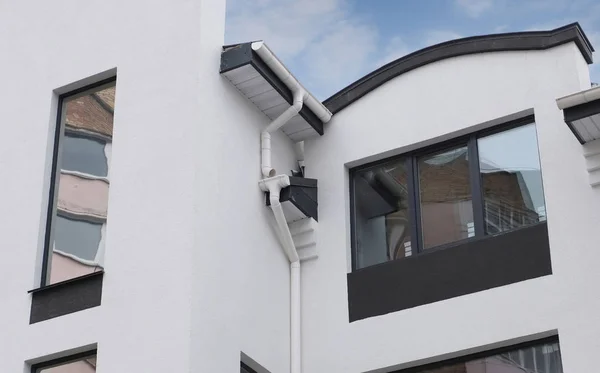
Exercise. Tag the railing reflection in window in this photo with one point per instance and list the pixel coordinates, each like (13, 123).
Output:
(511, 177)
(78, 223)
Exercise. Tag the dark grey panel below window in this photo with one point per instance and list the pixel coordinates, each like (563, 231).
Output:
(468, 267)
(66, 297)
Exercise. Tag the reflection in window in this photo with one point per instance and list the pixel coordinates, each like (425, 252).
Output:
(382, 218)
(446, 201)
(544, 358)
(78, 239)
(428, 194)
(511, 179)
(83, 365)
(84, 155)
(82, 173)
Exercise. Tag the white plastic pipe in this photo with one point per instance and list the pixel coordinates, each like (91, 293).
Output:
(265, 137)
(295, 320)
(299, 150)
(274, 185)
(289, 80)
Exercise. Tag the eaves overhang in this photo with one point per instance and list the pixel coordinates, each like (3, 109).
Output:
(581, 111)
(514, 41)
(245, 69)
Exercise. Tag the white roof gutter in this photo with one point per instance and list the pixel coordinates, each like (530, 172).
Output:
(290, 81)
(578, 98)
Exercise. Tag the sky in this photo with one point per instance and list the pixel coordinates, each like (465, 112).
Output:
(328, 44)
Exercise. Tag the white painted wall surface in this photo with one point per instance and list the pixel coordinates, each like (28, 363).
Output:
(434, 101)
(194, 274)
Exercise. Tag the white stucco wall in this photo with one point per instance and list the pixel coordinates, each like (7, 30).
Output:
(441, 100)
(194, 274)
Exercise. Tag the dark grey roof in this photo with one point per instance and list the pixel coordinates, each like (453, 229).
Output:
(514, 41)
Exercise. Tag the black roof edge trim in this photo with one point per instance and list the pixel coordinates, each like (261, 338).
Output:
(514, 41)
(238, 55)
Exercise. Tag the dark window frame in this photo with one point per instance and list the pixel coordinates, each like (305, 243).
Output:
(246, 367)
(35, 368)
(480, 355)
(411, 159)
(53, 191)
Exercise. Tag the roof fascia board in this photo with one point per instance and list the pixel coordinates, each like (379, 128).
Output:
(516, 41)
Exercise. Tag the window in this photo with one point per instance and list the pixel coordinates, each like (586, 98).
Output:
(540, 357)
(77, 213)
(511, 179)
(484, 184)
(82, 363)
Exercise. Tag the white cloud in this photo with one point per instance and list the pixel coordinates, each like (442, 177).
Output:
(323, 42)
(395, 49)
(340, 57)
(439, 36)
(474, 8)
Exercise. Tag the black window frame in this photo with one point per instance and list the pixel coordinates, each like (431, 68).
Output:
(36, 368)
(480, 355)
(411, 158)
(53, 191)
(244, 366)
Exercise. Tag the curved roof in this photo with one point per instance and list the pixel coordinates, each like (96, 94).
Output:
(514, 41)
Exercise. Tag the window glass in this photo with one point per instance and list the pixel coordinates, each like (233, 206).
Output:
(77, 238)
(81, 200)
(84, 365)
(511, 179)
(83, 155)
(446, 201)
(382, 220)
(517, 361)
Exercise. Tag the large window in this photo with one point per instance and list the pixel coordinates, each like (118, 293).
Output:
(542, 357)
(78, 207)
(81, 363)
(484, 184)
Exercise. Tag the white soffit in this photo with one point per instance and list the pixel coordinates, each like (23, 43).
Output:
(582, 113)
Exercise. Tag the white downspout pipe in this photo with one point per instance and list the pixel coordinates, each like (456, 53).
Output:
(295, 319)
(265, 136)
(274, 185)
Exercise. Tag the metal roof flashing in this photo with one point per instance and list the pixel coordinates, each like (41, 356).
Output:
(514, 41)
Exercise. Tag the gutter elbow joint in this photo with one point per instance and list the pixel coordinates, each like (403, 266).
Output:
(299, 97)
(268, 171)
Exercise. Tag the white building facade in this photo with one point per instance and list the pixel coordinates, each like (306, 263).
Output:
(176, 205)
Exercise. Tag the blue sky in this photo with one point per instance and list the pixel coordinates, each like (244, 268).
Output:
(328, 44)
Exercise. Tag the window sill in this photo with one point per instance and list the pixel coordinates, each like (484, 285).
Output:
(65, 297)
